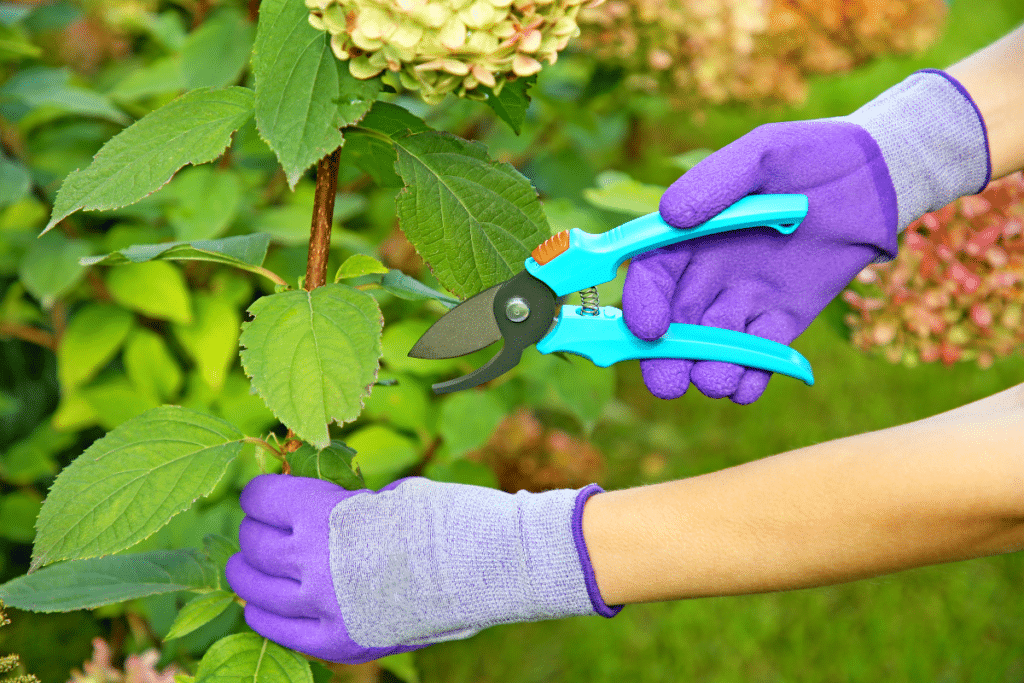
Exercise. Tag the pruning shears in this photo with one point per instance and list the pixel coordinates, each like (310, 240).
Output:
(529, 308)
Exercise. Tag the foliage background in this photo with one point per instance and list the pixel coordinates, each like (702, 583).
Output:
(955, 622)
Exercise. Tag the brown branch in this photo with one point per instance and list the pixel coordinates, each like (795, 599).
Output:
(323, 217)
(29, 334)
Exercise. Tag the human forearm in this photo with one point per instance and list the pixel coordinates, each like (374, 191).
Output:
(946, 488)
(994, 77)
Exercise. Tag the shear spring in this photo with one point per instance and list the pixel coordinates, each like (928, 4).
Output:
(591, 301)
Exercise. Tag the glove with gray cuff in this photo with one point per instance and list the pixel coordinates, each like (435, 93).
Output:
(352, 576)
(913, 149)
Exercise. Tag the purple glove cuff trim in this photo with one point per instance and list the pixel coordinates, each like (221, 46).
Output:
(581, 547)
(984, 131)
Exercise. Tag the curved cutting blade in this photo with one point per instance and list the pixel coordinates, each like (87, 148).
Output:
(468, 327)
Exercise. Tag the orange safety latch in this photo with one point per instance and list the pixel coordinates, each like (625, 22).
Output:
(551, 247)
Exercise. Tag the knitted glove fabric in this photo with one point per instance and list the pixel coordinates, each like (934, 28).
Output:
(352, 576)
(913, 149)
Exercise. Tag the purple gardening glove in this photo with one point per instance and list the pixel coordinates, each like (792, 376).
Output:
(352, 576)
(866, 177)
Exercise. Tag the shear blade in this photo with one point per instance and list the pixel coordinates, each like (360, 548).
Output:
(468, 327)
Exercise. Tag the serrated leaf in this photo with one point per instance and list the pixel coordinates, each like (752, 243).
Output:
(617, 191)
(92, 338)
(42, 86)
(313, 356)
(131, 482)
(512, 102)
(51, 267)
(358, 265)
(192, 129)
(333, 463)
(156, 289)
(215, 54)
(303, 94)
(219, 549)
(212, 337)
(241, 251)
(85, 584)
(473, 220)
(375, 154)
(248, 657)
(199, 611)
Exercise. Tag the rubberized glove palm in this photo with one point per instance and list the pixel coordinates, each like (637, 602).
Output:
(913, 149)
(759, 281)
(352, 576)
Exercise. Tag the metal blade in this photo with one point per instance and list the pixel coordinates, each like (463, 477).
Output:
(468, 327)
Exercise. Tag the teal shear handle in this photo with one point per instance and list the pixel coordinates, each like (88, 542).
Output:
(605, 340)
(584, 260)
(593, 259)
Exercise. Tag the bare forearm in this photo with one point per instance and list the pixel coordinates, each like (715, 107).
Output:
(950, 487)
(994, 77)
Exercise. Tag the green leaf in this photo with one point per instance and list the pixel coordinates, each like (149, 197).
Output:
(303, 94)
(250, 658)
(15, 181)
(512, 102)
(150, 366)
(42, 86)
(473, 220)
(192, 129)
(405, 287)
(34, 456)
(199, 611)
(156, 289)
(129, 483)
(113, 400)
(381, 454)
(368, 145)
(215, 54)
(313, 356)
(51, 267)
(91, 339)
(358, 265)
(688, 160)
(468, 419)
(616, 191)
(212, 338)
(241, 251)
(158, 77)
(333, 463)
(219, 549)
(85, 584)
(205, 202)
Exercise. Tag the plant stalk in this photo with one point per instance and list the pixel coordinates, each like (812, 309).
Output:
(323, 217)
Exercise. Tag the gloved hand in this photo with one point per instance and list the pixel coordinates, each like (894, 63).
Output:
(913, 149)
(352, 576)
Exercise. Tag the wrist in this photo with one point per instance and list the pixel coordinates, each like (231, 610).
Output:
(933, 139)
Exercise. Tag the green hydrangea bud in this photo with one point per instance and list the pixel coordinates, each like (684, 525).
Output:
(435, 47)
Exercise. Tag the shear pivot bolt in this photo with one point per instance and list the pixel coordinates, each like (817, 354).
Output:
(516, 309)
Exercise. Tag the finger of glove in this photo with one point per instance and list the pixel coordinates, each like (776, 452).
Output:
(272, 498)
(716, 182)
(778, 326)
(666, 378)
(301, 634)
(729, 311)
(647, 292)
(269, 549)
(276, 594)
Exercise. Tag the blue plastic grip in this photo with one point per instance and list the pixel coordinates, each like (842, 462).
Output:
(605, 340)
(593, 259)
